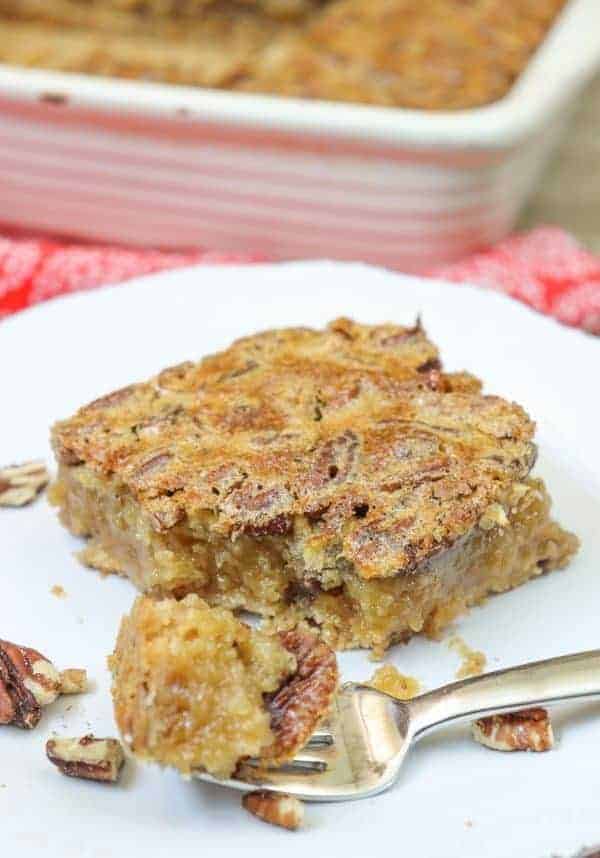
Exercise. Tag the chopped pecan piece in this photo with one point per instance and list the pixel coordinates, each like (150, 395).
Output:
(87, 757)
(21, 484)
(28, 681)
(73, 681)
(528, 730)
(277, 808)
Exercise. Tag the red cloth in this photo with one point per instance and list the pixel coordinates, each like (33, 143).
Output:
(546, 269)
(35, 269)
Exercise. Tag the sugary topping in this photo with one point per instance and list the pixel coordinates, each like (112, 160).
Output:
(352, 440)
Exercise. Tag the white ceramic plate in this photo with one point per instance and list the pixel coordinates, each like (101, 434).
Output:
(454, 798)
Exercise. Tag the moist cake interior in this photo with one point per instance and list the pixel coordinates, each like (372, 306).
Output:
(260, 575)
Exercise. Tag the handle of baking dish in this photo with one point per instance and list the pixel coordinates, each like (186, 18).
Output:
(541, 683)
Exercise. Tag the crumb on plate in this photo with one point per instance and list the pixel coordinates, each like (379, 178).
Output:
(58, 591)
(389, 680)
(473, 662)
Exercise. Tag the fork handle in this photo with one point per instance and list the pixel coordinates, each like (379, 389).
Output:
(556, 680)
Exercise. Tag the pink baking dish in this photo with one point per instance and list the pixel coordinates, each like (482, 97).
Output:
(152, 164)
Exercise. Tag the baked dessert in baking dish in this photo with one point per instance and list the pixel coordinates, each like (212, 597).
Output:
(195, 688)
(426, 54)
(337, 477)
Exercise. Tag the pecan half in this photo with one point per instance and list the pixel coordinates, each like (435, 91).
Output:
(528, 730)
(21, 484)
(87, 757)
(276, 808)
(28, 681)
(305, 698)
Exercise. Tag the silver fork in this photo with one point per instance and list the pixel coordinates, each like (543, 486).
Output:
(360, 751)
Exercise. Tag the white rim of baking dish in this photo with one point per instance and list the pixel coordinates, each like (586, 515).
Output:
(564, 62)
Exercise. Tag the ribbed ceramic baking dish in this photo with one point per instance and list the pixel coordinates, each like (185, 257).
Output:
(154, 164)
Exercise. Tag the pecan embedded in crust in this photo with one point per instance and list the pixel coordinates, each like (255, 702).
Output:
(527, 730)
(116, 397)
(28, 681)
(333, 461)
(278, 526)
(87, 757)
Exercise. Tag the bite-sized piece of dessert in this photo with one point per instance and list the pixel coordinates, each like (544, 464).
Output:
(336, 476)
(196, 688)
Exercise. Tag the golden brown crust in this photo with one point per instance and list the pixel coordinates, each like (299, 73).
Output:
(345, 438)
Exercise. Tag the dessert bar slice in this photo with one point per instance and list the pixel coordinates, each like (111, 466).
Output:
(196, 688)
(335, 476)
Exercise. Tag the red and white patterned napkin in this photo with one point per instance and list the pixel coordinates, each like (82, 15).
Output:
(546, 269)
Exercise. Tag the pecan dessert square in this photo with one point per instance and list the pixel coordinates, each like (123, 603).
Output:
(339, 477)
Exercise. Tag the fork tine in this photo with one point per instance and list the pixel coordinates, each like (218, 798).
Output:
(309, 765)
(320, 738)
(361, 755)
(299, 766)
